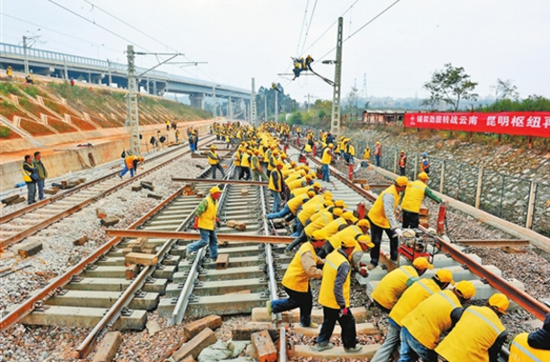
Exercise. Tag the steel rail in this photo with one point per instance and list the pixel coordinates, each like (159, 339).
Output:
(223, 182)
(520, 297)
(183, 235)
(69, 192)
(493, 243)
(183, 299)
(116, 309)
(28, 306)
(272, 282)
(33, 229)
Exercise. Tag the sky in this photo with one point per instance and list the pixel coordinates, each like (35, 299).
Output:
(240, 39)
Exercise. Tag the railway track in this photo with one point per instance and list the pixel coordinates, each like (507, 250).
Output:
(25, 222)
(183, 285)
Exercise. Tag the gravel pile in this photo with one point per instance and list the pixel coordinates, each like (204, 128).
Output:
(59, 254)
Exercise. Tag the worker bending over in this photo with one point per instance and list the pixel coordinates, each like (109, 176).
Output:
(301, 269)
(419, 291)
(478, 335)
(334, 296)
(423, 327)
(532, 347)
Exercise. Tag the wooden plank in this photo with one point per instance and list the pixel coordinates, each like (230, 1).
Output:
(29, 249)
(108, 347)
(222, 261)
(195, 346)
(140, 259)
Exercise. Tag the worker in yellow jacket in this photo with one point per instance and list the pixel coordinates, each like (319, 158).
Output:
(301, 269)
(393, 284)
(423, 327)
(532, 347)
(276, 186)
(214, 162)
(479, 334)
(382, 219)
(206, 220)
(412, 200)
(419, 291)
(334, 296)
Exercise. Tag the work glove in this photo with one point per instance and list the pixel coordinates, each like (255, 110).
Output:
(196, 223)
(344, 311)
(364, 272)
(218, 222)
(399, 233)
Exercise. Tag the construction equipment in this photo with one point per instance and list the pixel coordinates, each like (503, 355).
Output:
(417, 243)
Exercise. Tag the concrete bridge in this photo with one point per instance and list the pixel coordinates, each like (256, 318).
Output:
(98, 71)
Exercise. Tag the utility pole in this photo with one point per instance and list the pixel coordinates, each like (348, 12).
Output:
(132, 110)
(253, 104)
(308, 95)
(26, 59)
(265, 106)
(276, 107)
(214, 104)
(230, 109)
(335, 124)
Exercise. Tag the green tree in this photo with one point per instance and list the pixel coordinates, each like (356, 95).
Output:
(504, 89)
(451, 85)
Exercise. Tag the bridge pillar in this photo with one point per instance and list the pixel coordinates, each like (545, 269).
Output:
(197, 100)
(96, 78)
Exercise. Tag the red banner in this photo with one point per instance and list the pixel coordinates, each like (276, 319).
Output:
(515, 123)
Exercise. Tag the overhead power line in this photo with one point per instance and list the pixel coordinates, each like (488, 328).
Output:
(308, 26)
(96, 24)
(362, 27)
(331, 25)
(302, 30)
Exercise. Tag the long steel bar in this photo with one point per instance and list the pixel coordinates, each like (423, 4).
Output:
(521, 298)
(33, 229)
(223, 182)
(182, 235)
(493, 243)
(27, 306)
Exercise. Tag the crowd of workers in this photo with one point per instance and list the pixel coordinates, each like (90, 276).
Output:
(428, 317)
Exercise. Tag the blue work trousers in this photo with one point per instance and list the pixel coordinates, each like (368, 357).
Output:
(276, 202)
(208, 237)
(325, 173)
(126, 170)
(411, 349)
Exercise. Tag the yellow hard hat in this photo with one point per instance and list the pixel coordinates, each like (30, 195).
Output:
(499, 302)
(311, 194)
(337, 211)
(402, 181)
(292, 163)
(318, 235)
(340, 203)
(363, 222)
(423, 176)
(212, 147)
(317, 185)
(308, 177)
(279, 163)
(377, 142)
(365, 239)
(466, 289)
(348, 215)
(214, 190)
(330, 145)
(444, 276)
(348, 242)
(422, 263)
(306, 168)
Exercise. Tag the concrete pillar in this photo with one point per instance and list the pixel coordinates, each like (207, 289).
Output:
(155, 87)
(197, 100)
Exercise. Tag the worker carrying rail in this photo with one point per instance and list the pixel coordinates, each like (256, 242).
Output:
(412, 200)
